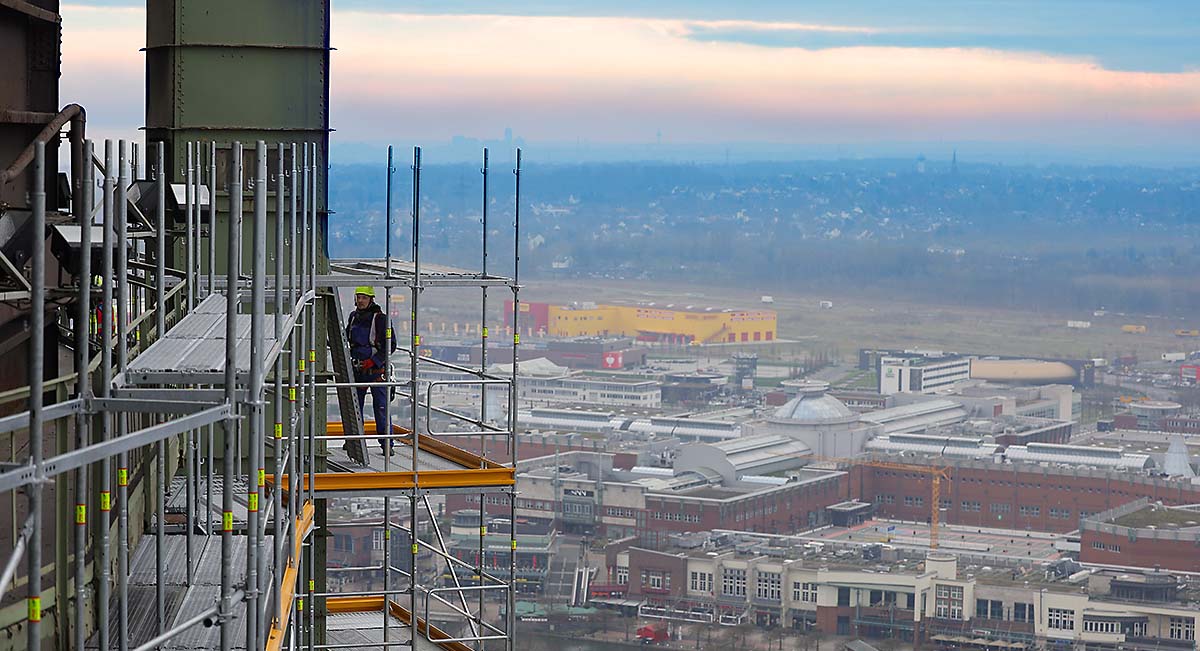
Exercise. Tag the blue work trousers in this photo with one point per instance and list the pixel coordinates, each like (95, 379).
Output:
(379, 403)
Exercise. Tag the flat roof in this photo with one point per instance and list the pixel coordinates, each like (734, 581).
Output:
(1159, 516)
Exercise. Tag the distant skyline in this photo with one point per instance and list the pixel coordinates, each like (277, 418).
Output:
(1005, 80)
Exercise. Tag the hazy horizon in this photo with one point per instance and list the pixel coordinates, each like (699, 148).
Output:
(1004, 82)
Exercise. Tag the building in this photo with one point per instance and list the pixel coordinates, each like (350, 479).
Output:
(692, 388)
(684, 429)
(650, 322)
(707, 486)
(931, 444)
(1160, 415)
(997, 368)
(1143, 534)
(536, 543)
(986, 399)
(933, 601)
(587, 353)
(921, 372)
(1080, 455)
(818, 420)
(543, 382)
(1052, 497)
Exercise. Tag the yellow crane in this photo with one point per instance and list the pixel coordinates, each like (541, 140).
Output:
(936, 474)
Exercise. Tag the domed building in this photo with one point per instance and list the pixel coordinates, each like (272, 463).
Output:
(823, 423)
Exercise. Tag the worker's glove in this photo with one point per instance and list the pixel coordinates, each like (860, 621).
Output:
(366, 364)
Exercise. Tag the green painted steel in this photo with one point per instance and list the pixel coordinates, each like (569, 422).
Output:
(232, 70)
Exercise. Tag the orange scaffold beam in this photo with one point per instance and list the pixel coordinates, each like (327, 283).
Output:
(475, 472)
(375, 604)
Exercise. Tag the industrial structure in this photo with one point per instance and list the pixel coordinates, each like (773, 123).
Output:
(651, 322)
(174, 310)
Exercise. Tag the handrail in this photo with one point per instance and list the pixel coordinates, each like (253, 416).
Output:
(22, 393)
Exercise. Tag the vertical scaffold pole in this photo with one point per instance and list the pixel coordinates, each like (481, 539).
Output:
(212, 215)
(277, 399)
(83, 346)
(294, 357)
(231, 304)
(255, 470)
(512, 412)
(104, 522)
(483, 392)
(302, 417)
(309, 402)
(189, 193)
(160, 322)
(122, 309)
(312, 375)
(37, 318)
(210, 453)
(388, 443)
(412, 388)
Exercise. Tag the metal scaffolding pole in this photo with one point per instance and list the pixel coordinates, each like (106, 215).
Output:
(212, 215)
(305, 405)
(189, 252)
(106, 346)
(160, 321)
(312, 373)
(231, 293)
(413, 400)
(512, 412)
(294, 357)
(83, 347)
(37, 327)
(212, 265)
(483, 390)
(277, 397)
(255, 470)
(122, 307)
(189, 457)
(387, 452)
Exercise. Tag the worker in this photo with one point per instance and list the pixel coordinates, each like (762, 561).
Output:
(367, 334)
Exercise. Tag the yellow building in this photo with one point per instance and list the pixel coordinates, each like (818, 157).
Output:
(655, 323)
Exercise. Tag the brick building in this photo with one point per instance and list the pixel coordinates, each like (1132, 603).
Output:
(1143, 532)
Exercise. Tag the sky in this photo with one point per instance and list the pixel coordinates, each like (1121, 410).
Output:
(1102, 81)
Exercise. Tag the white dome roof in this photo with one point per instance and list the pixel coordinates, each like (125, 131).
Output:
(813, 405)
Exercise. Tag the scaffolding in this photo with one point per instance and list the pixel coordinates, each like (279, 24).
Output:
(188, 373)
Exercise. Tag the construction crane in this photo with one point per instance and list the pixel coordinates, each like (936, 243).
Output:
(936, 474)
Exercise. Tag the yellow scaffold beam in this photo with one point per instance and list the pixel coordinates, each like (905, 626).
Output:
(288, 593)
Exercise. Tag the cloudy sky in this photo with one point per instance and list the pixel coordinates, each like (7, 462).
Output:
(1118, 78)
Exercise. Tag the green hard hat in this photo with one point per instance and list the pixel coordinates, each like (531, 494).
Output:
(366, 291)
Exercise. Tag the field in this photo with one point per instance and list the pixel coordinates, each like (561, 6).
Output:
(857, 322)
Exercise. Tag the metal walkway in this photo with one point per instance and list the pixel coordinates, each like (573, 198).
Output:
(204, 397)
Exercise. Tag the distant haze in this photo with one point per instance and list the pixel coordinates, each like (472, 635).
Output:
(705, 81)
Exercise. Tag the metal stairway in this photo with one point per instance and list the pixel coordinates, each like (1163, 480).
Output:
(339, 354)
